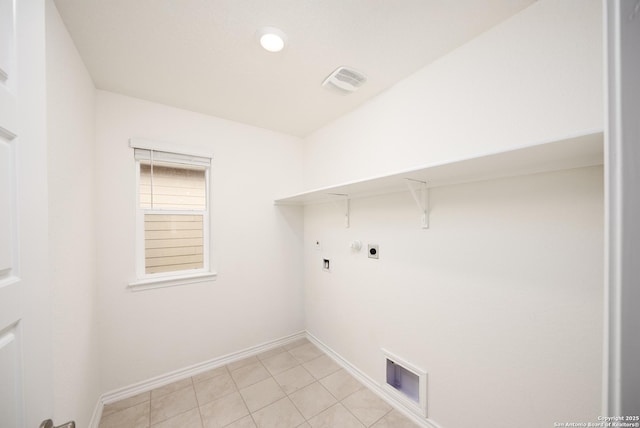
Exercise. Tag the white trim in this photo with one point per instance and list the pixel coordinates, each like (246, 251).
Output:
(161, 158)
(7, 277)
(621, 377)
(94, 422)
(139, 231)
(146, 281)
(6, 280)
(176, 375)
(374, 386)
(171, 281)
(610, 360)
(163, 146)
(6, 134)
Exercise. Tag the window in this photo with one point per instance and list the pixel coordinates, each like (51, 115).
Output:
(172, 217)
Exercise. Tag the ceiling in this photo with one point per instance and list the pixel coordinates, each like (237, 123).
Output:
(203, 55)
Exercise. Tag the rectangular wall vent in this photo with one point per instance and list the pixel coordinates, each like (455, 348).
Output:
(407, 382)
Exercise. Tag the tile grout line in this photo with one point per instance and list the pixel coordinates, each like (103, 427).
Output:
(149, 414)
(241, 397)
(336, 398)
(287, 395)
(228, 372)
(193, 385)
(301, 364)
(199, 405)
(382, 417)
(272, 376)
(164, 395)
(298, 364)
(349, 410)
(197, 402)
(340, 401)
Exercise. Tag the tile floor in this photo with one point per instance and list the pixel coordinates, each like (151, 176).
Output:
(296, 385)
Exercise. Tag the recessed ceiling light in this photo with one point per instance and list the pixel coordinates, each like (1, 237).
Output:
(271, 38)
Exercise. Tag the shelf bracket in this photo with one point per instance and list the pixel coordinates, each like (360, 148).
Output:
(422, 200)
(347, 208)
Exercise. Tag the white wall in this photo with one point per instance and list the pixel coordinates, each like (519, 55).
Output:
(535, 77)
(493, 321)
(257, 296)
(501, 299)
(70, 144)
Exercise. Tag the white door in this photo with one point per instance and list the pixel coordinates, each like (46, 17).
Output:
(25, 317)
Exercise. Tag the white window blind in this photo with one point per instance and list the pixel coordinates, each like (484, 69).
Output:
(172, 187)
(172, 197)
(160, 157)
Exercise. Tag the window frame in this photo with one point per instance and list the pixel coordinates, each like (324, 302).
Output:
(145, 281)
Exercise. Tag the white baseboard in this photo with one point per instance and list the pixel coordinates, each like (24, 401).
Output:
(167, 378)
(374, 386)
(97, 414)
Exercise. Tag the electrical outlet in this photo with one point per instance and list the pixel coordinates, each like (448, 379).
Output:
(374, 251)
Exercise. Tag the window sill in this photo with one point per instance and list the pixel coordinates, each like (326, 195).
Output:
(171, 281)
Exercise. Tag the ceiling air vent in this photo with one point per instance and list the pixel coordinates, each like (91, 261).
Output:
(345, 80)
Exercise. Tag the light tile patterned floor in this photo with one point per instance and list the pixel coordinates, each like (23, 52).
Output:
(293, 386)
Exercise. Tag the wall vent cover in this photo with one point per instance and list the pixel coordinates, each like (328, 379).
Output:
(344, 80)
(406, 382)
